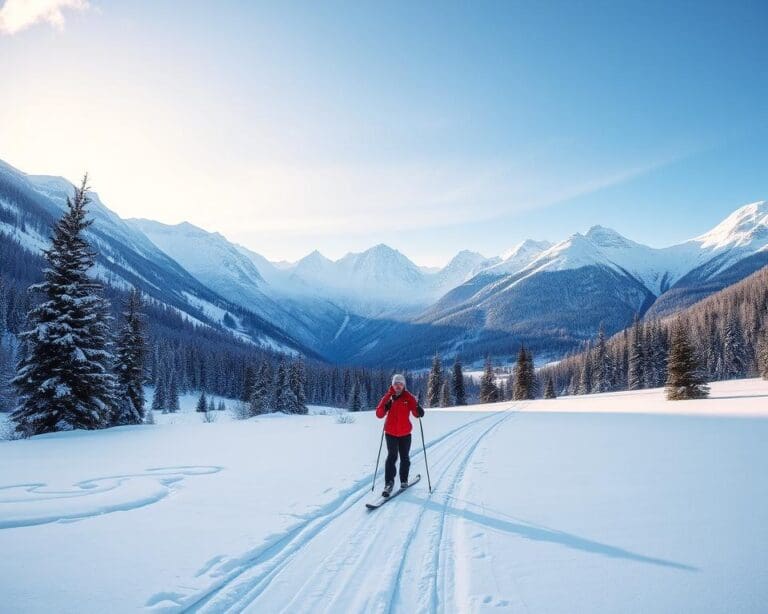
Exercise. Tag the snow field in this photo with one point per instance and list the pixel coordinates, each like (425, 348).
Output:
(610, 503)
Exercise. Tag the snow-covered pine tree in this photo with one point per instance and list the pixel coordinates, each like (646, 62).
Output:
(159, 395)
(684, 378)
(285, 397)
(445, 393)
(585, 377)
(734, 354)
(435, 382)
(459, 393)
(533, 385)
(355, 402)
(520, 390)
(261, 395)
(601, 368)
(524, 376)
(172, 393)
(211, 404)
(281, 386)
(636, 374)
(7, 401)
(129, 364)
(489, 393)
(202, 403)
(64, 379)
(297, 383)
(221, 406)
(762, 354)
(249, 380)
(549, 389)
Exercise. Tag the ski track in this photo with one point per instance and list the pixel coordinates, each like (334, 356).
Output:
(265, 579)
(24, 505)
(429, 585)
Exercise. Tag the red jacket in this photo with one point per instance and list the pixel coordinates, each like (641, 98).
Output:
(398, 422)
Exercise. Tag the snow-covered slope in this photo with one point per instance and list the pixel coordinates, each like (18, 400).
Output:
(544, 506)
(30, 205)
(518, 257)
(236, 274)
(602, 262)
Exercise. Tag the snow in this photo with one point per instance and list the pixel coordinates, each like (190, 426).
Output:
(606, 503)
(739, 229)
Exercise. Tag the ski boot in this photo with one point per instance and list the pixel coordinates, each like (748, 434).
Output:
(387, 489)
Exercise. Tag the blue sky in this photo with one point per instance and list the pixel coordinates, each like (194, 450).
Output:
(430, 127)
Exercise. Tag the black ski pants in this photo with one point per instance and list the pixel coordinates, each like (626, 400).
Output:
(402, 446)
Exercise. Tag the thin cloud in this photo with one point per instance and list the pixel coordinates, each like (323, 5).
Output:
(18, 15)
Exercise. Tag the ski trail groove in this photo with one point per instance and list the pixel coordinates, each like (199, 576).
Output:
(432, 589)
(240, 581)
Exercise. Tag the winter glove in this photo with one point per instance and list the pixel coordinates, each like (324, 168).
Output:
(388, 405)
(419, 411)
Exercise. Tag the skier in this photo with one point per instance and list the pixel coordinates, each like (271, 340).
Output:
(397, 404)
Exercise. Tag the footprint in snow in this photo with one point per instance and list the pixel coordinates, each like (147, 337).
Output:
(24, 505)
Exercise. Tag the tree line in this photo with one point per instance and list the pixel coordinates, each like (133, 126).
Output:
(724, 336)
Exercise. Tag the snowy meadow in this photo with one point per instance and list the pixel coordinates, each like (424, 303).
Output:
(618, 502)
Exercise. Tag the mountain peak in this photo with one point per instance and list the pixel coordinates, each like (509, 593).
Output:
(606, 237)
(740, 228)
(314, 256)
(525, 247)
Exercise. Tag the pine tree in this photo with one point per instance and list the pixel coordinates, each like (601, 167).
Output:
(549, 390)
(601, 368)
(684, 378)
(211, 404)
(64, 379)
(489, 393)
(172, 393)
(159, 395)
(435, 382)
(459, 394)
(734, 355)
(355, 402)
(762, 360)
(585, 377)
(297, 383)
(249, 380)
(129, 364)
(282, 402)
(285, 397)
(530, 374)
(524, 376)
(260, 395)
(202, 403)
(637, 358)
(222, 406)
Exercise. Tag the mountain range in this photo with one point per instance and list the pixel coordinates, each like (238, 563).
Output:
(377, 306)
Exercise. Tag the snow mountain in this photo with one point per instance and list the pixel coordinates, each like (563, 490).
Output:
(30, 205)
(560, 296)
(377, 307)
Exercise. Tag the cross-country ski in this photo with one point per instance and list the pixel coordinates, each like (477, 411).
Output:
(372, 505)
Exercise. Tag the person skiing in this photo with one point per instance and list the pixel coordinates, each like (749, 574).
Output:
(397, 404)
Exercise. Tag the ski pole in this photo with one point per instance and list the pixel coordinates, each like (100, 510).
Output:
(378, 456)
(423, 445)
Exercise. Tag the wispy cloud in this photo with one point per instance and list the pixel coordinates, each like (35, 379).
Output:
(18, 15)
